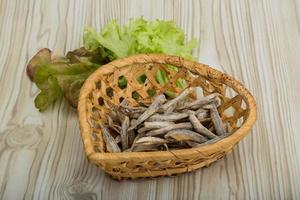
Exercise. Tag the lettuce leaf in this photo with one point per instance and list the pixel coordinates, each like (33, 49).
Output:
(140, 36)
(64, 75)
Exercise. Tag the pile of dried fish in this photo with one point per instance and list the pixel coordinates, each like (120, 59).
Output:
(179, 123)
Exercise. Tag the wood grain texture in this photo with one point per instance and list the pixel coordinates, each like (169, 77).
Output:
(258, 42)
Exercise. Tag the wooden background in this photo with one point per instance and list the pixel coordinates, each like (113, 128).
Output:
(256, 41)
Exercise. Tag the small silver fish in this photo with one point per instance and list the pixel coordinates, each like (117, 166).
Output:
(199, 127)
(138, 136)
(124, 135)
(151, 140)
(110, 142)
(185, 135)
(113, 125)
(168, 117)
(159, 124)
(144, 129)
(157, 102)
(133, 121)
(134, 109)
(200, 102)
(216, 119)
(135, 115)
(180, 97)
(131, 137)
(201, 114)
(118, 139)
(113, 116)
(162, 131)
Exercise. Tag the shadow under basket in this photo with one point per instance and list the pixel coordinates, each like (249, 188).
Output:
(135, 79)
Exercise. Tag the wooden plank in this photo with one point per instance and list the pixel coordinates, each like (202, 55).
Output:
(257, 42)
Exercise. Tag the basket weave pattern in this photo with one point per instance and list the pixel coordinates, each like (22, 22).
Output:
(102, 90)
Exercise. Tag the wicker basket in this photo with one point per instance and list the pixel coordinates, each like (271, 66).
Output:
(102, 86)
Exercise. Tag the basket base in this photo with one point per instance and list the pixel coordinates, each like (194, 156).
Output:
(165, 172)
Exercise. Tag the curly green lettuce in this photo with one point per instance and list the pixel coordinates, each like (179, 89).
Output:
(140, 36)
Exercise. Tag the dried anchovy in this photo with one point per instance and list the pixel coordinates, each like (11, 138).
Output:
(124, 135)
(118, 139)
(130, 111)
(113, 115)
(198, 103)
(154, 125)
(143, 130)
(204, 119)
(133, 121)
(199, 127)
(217, 121)
(131, 137)
(151, 140)
(134, 115)
(176, 120)
(201, 114)
(124, 102)
(110, 142)
(212, 128)
(185, 135)
(158, 124)
(161, 131)
(120, 115)
(133, 109)
(113, 125)
(180, 97)
(168, 117)
(158, 101)
(138, 136)
(195, 144)
(166, 146)
(110, 120)
(171, 108)
(116, 128)
(212, 98)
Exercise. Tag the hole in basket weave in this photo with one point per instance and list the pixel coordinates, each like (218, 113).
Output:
(230, 93)
(142, 79)
(177, 163)
(97, 149)
(98, 84)
(149, 66)
(151, 92)
(94, 109)
(229, 112)
(95, 137)
(116, 169)
(239, 122)
(243, 105)
(100, 101)
(121, 99)
(161, 77)
(154, 164)
(181, 83)
(109, 92)
(122, 82)
(135, 95)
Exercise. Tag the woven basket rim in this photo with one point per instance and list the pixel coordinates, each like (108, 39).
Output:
(222, 144)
